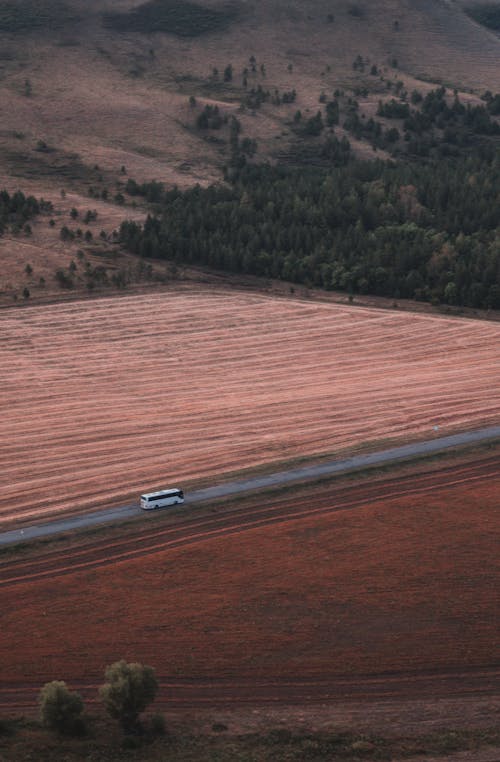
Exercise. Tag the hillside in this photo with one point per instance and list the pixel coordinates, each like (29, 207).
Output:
(89, 102)
(96, 92)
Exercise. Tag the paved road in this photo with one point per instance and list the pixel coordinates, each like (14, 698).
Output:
(258, 482)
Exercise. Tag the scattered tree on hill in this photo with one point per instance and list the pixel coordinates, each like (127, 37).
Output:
(60, 708)
(128, 690)
(314, 126)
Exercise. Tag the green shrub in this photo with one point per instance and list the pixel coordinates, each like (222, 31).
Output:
(61, 709)
(128, 690)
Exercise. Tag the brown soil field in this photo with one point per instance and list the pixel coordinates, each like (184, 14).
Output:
(381, 590)
(108, 398)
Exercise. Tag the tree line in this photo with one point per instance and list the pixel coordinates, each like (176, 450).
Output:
(424, 231)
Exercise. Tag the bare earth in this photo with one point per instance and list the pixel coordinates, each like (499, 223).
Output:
(105, 399)
(379, 593)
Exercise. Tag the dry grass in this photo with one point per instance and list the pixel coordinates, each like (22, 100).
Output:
(101, 98)
(107, 99)
(104, 399)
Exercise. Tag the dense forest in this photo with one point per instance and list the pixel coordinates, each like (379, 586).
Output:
(425, 231)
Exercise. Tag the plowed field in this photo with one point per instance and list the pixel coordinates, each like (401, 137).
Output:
(387, 588)
(104, 399)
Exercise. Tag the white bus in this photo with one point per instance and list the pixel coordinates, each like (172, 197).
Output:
(152, 500)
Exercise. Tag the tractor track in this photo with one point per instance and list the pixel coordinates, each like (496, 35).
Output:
(233, 521)
(474, 683)
(229, 692)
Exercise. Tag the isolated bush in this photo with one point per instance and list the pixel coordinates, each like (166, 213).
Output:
(61, 709)
(63, 278)
(128, 690)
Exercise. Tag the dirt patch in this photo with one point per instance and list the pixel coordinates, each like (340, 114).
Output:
(394, 597)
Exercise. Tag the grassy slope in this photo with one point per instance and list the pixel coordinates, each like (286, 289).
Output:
(103, 98)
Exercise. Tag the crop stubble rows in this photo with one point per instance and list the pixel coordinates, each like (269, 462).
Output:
(104, 399)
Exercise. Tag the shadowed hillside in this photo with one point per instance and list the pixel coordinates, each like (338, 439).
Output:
(93, 93)
(110, 89)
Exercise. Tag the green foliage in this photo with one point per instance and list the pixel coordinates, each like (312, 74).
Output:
(66, 234)
(256, 97)
(60, 708)
(313, 126)
(179, 17)
(210, 118)
(17, 209)
(396, 230)
(393, 109)
(332, 112)
(487, 14)
(28, 15)
(64, 279)
(128, 690)
(439, 126)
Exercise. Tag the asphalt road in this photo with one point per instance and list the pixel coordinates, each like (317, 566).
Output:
(114, 515)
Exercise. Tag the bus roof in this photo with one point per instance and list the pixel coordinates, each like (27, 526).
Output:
(163, 492)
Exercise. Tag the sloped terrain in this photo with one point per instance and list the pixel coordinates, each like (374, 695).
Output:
(88, 102)
(121, 98)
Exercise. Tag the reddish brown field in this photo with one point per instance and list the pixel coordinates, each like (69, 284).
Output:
(102, 400)
(396, 577)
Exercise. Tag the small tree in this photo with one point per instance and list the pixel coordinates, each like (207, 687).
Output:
(128, 690)
(60, 708)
